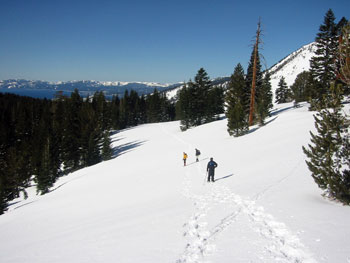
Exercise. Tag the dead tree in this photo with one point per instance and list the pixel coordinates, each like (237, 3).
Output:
(252, 93)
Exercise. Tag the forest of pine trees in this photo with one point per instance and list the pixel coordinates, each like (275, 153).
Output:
(41, 140)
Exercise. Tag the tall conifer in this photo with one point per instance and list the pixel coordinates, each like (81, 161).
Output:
(283, 93)
(264, 99)
(328, 153)
(237, 116)
(323, 64)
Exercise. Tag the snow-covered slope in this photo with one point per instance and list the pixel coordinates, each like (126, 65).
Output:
(145, 206)
(292, 65)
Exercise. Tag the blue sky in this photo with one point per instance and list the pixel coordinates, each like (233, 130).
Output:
(159, 41)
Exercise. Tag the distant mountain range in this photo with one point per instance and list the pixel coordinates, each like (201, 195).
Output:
(289, 67)
(41, 89)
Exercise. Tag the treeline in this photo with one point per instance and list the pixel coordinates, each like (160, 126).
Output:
(42, 139)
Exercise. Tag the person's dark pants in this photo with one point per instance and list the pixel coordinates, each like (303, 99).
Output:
(211, 176)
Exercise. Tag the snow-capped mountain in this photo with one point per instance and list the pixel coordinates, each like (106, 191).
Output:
(47, 89)
(292, 65)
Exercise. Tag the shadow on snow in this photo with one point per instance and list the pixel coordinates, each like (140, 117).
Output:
(227, 176)
(126, 147)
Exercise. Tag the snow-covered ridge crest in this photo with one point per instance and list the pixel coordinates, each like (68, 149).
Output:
(292, 65)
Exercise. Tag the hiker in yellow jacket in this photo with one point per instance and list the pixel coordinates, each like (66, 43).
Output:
(185, 158)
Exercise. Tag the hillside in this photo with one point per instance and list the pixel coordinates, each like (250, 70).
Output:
(289, 67)
(292, 65)
(145, 206)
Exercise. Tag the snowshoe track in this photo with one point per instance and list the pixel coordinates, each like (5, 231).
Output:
(280, 244)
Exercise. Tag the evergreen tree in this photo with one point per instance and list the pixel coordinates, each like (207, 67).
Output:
(264, 99)
(43, 167)
(124, 111)
(102, 111)
(44, 178)
(72, 133)
(343, 72)
(300, 88)
(283, 93)
(237, 116)
(133, 108)
(91, 134)
(196, 101)
(215, 103)
(154, 107)
(184, 106)
(323, 64)
(249, 79)
(328, 152)
(142, 110)
(107, 151)
(201, 109)
(115, 109)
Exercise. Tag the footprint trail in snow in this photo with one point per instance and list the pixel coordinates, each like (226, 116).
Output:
(279, 243)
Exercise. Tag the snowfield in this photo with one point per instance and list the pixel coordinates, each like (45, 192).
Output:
(145, 206)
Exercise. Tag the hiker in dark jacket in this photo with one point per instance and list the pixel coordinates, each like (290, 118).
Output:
(210, 169)
(197, 154)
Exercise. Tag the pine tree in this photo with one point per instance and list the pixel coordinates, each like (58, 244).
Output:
(328, 152)
(115, 116)
(90, 133)
(184, 106)
(124, 111)
(250, 101)
(44, 178)
(343, 73)
(323, 64)
(133, 108)
(215, 103)
(195, 104)
(107, 151)
(237, 116)
(141, 110)
(283, 93)
(264, 99)
(72, 132)
(300, 88)
(154, 107)
(200, 88)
